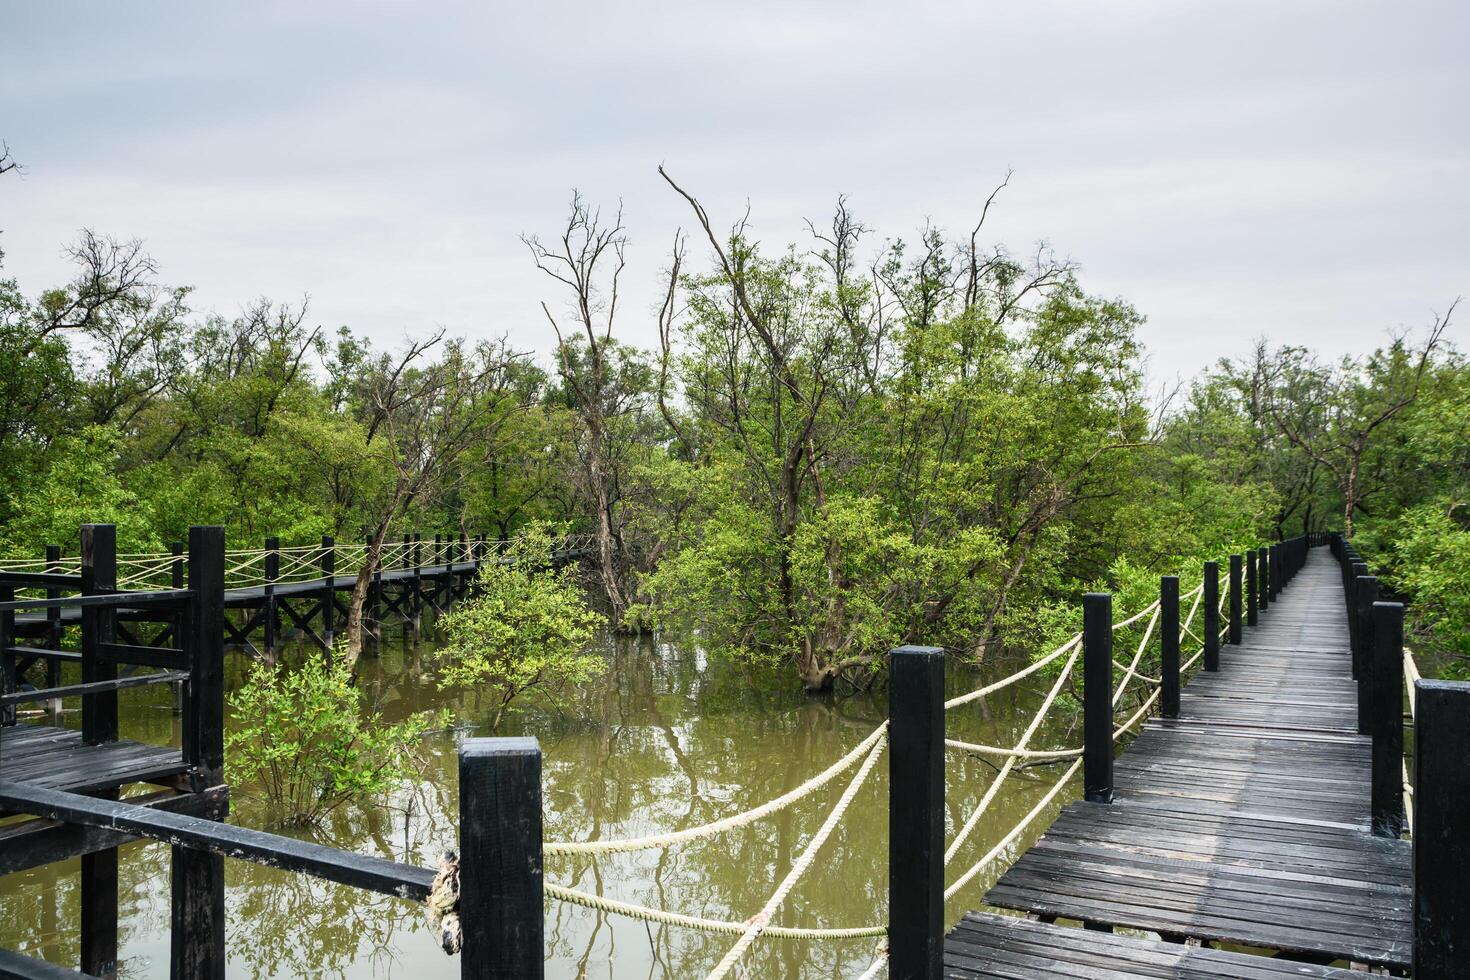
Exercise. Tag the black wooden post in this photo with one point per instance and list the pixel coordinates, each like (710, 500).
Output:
(99, 575)
(53, 628)
(1263, 565)
(1365, 593)
(99, 725)
(1169, 645)
(1211, 601)
(1441, 829)
(272, 572)
(8, 665)
(916, 814)
(176, 578)
(1251, 602)
(371, 628)
(1097, 696)
(500, 880)
(197, 916)
(1236, 633)
(417, 583)
(329, 591)
(1387, 718)
(204, 710)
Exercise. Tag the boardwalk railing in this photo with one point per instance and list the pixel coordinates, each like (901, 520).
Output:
(272, 588)
(1432, 803)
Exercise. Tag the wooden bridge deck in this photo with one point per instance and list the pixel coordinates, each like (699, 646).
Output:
(1244, 821)
(57, 758)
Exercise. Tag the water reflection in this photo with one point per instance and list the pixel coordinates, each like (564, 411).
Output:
(664, 741)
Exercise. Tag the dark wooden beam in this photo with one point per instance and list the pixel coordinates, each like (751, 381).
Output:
(359, 870)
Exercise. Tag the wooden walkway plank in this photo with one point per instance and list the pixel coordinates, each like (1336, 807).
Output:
(986, 945)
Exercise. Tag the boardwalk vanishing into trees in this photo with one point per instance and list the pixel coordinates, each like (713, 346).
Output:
(1245, 819)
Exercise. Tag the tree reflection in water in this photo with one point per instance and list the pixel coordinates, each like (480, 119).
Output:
(663, 741)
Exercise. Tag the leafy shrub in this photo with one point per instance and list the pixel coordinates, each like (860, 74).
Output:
(526, 626)
(302, 737)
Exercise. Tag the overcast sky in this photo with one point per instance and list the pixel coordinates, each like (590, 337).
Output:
(1298, 170)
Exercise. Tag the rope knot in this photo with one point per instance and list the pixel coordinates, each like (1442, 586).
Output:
(444, 903)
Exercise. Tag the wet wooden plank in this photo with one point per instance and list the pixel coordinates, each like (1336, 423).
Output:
(987, 946)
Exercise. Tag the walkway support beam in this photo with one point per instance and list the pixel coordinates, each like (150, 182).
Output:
(1211, 601)
(1252, 592)
(1387, 719)
(1169, 645)
(1365, 594)
(1236, 632)
(500, 875)
(916, 814)
(1097, 696)
(1441, 829)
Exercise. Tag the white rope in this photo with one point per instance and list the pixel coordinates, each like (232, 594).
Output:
(1010, 763)
(759, 921)
(728, 823)
(1006, 841)
(1137, 656)
(1136, 616)
(1018, 753)
(1152, 700)
(1408, 796)
(955, 702)
(603, 904)
(1412, 675)
(877, 967)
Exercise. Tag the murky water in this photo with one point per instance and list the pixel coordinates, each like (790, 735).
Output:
(665, 740)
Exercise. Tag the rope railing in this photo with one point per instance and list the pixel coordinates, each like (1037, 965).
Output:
(1009, 765)
(246, 567)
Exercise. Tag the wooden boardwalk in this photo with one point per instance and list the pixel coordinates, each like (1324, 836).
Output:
(1244, 821)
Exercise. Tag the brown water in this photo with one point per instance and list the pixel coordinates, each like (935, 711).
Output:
(665, 740)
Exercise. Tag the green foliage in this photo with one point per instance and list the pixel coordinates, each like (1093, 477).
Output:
(79, 485)
(525, 627)
(302, 740)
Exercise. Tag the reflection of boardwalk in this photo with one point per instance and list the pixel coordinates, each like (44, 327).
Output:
(1245, 820)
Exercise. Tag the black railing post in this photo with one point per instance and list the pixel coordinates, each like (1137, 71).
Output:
(1365, 593)
(53, 628)
(1263, 565)
(372, 629)
(417, 584)
(9, 678)
(1211, 601)
(916, 814)
(1387, 674)
(1252, 603)
(99, 881)
(1441, 829)
(1097, 696)
(1236, 632)
(204, 709)
(329, 592)
(99, 575)
(269, 612)
(500, 877)
(176, 577)
(197, 940)
(1169, 645)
